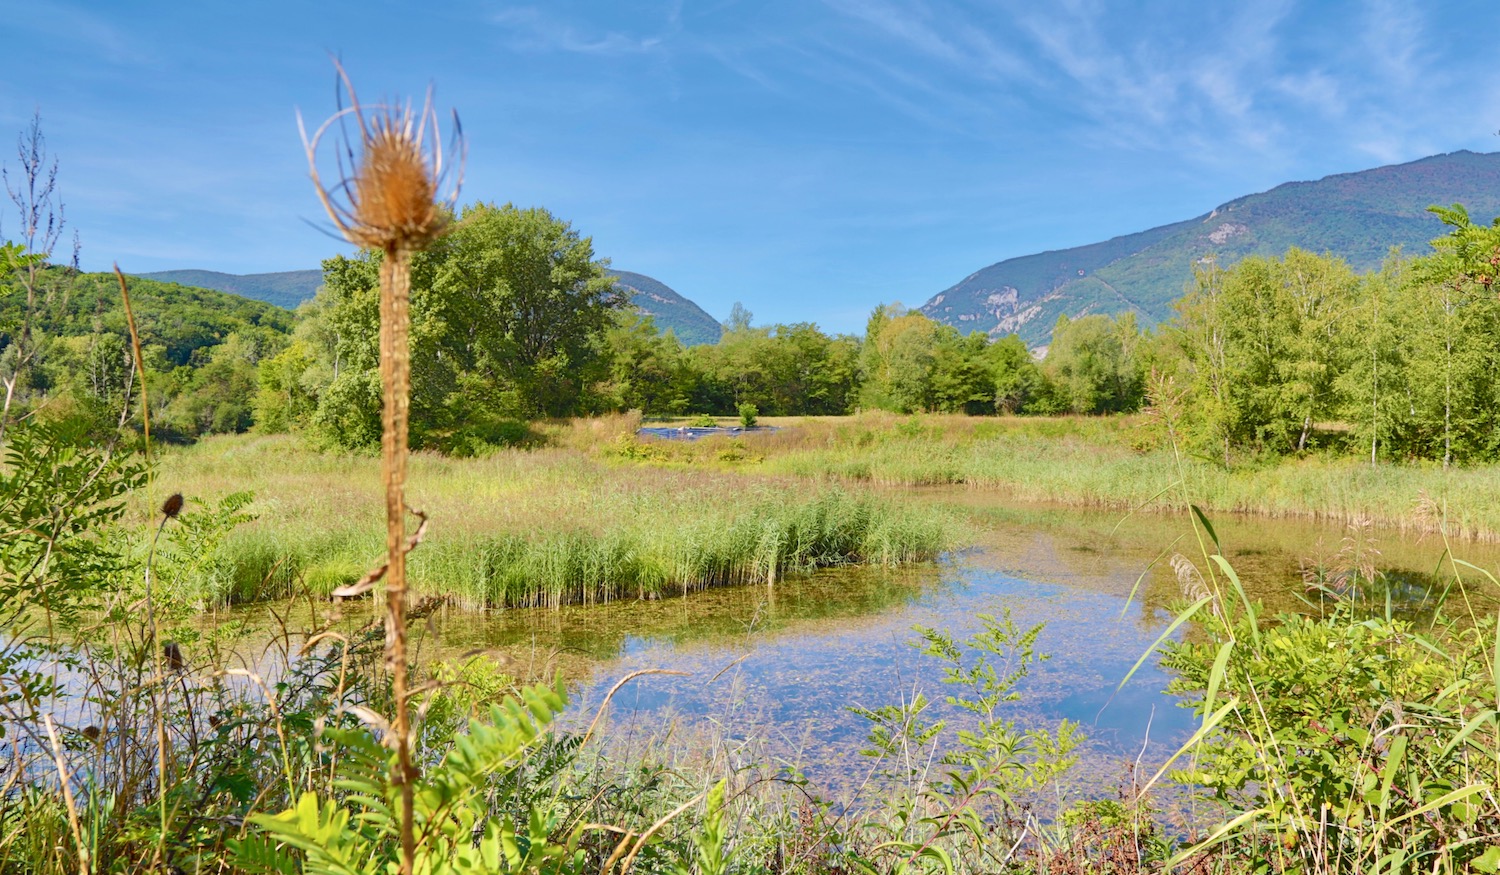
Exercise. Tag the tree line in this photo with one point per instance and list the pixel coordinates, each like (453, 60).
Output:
(515, 319)
(1275, 355)
(1269, 356)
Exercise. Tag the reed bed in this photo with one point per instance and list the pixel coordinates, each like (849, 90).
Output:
(544, 527)
(1113, 463)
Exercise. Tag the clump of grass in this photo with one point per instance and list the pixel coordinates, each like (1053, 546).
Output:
(545, 527)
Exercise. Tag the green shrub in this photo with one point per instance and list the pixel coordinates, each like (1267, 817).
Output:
(1348, 743)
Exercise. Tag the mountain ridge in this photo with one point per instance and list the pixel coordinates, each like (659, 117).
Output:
(1358, 215)
(669, 309)
(286, 289)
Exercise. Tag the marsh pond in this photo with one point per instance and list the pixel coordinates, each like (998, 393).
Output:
(779, 671)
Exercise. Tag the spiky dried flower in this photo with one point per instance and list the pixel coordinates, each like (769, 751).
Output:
(172, 506)
(391, 171)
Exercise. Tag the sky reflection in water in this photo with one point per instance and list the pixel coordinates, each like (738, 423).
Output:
(794, 687)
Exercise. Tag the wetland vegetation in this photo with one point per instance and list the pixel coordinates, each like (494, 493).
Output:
(988, 783)
(543, 527)
(199, 685)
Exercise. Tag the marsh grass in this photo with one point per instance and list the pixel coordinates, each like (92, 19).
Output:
(1116, 463)
(547, 527)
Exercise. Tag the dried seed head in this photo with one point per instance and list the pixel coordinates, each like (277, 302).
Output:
(391, 171)
(172, 506)
(394, 199)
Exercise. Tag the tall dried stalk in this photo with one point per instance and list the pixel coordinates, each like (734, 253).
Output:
(137, 362)
(387, 200)
(169, 511)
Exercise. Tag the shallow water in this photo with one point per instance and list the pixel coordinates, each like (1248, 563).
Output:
(775, 669)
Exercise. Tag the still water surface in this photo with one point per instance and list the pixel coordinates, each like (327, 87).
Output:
(781, 665)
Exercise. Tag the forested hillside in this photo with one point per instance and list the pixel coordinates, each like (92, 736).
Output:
(668, 309)
(284, 289)
(69, 352)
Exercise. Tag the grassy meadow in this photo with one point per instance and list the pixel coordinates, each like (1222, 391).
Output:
(535, 527)
(1117, 463)
(592, 513)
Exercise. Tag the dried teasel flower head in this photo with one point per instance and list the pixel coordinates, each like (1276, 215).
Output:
(391, 170)
(172, 506)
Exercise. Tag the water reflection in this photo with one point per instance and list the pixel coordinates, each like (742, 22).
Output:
(778, 667)
(783, 664)
(786, 664)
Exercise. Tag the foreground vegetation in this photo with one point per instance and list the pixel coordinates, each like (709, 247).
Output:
(180, 757)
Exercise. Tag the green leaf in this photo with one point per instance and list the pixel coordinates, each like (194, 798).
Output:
(1207, 526)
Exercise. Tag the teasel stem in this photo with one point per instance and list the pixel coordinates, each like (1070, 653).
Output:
(386, 200)
(395, 377)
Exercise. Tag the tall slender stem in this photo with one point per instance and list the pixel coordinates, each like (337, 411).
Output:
(395, 376)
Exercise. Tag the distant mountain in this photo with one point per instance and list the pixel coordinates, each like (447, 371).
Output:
(669, 309)
(1358, 216)
(286, 289)
(290, 288)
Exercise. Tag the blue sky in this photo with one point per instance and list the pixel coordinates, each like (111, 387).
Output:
(807, 157)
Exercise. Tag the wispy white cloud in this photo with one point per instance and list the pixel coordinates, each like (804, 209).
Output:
(536, 29)
(1275, 77)
(938, 34)
(1391, 37)
(1315, 90)
(80, 26)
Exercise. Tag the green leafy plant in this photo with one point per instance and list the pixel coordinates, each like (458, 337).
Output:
(968, 812)
(191, 561)
(465, 821)
(1347, 744)
(749, 414)
(58, 501)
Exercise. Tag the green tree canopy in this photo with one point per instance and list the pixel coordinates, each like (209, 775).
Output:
(508, 315)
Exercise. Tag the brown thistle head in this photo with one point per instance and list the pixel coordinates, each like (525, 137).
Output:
(172, 506)
(391, 169)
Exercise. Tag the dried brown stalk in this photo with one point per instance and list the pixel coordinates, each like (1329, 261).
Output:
(140, 367)
(387, 200)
